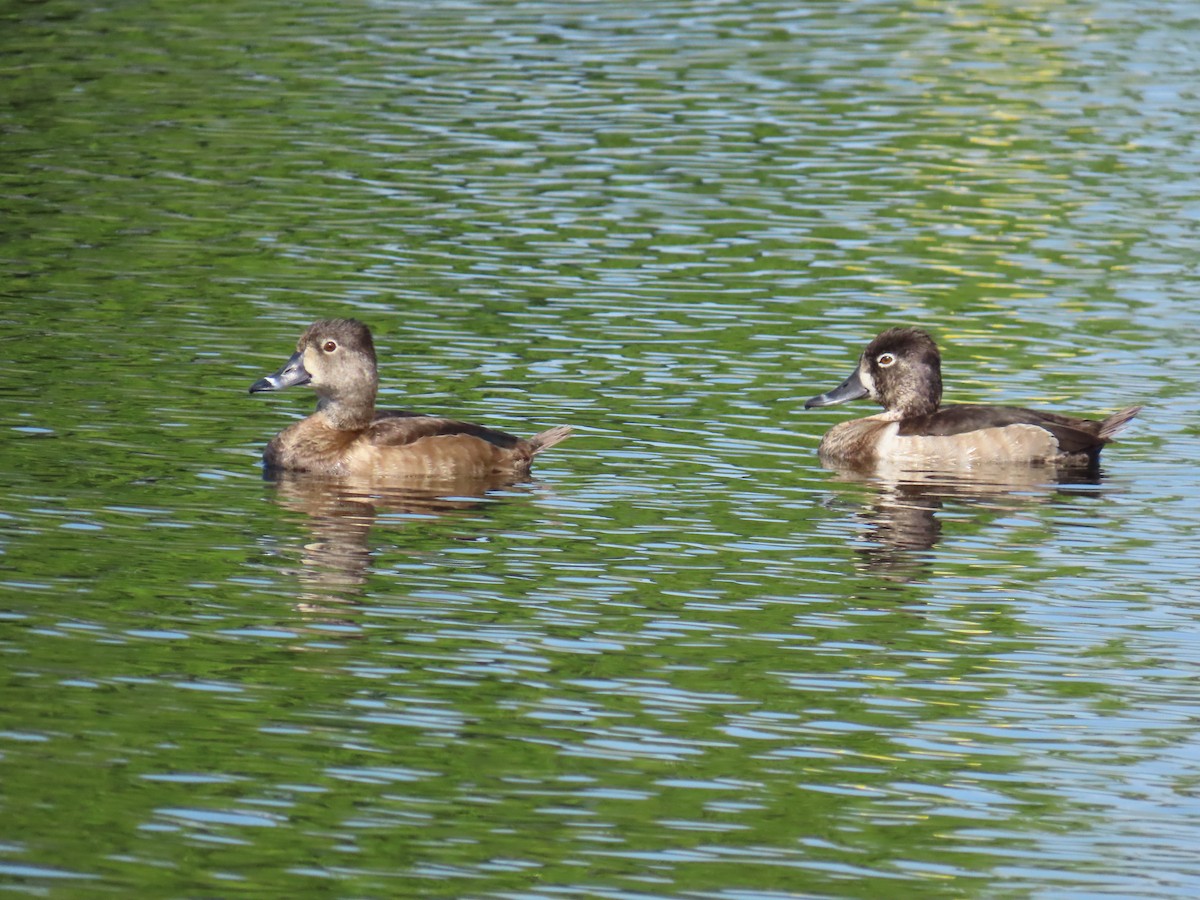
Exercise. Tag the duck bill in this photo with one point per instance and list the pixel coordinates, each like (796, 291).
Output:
(850, 389)
(292, 373)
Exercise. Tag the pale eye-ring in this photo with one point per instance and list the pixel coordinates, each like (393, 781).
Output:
(329, 346)
(885, 359)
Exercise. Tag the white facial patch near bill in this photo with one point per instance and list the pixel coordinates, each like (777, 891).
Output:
(867, 379)
(311, 357)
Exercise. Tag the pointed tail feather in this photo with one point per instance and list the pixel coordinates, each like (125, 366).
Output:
(1117, 422)
(549, 438)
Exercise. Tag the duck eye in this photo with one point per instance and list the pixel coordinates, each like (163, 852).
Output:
(329, 346)
(885, 359)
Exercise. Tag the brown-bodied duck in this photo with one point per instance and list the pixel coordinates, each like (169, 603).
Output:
(347, 436)
(902, 370)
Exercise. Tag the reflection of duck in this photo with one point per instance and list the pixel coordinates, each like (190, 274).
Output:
(347, 436)
(902, 518)
(901, 369)
(340, 513)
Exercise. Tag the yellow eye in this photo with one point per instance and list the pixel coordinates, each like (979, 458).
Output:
(885, 359)
(329, 346)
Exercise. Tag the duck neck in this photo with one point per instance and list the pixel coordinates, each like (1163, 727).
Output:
(910, 400)
(347, 411)
(916, 409)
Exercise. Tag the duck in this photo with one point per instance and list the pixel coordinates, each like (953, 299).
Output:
(901, 369)
(348, 437)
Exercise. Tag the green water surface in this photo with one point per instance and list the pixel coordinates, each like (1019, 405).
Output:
(685, 660)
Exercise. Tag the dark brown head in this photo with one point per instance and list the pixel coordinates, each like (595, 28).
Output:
(901, 370)
(337, 358)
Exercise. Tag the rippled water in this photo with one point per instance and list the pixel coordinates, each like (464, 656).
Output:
(686, 660)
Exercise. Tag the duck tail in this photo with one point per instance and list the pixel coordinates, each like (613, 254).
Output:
(549, 438)
(1117, 422)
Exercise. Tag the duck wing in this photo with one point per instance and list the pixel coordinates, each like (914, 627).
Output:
(395, 428)
(1074, 435)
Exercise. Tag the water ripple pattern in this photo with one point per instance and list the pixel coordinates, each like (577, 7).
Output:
(685, 660)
